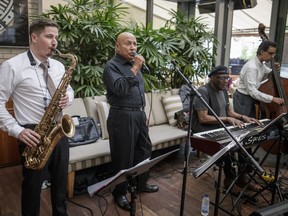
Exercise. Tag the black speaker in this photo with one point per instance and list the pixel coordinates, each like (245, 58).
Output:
(243, 4)
(279, 209)
(208, 6)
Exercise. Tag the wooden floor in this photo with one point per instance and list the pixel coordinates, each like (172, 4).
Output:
(168, 174)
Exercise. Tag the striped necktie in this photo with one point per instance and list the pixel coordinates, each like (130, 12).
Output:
(50, 85)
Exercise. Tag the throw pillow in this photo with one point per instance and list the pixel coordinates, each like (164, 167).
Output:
(172, 104)
(103, 111)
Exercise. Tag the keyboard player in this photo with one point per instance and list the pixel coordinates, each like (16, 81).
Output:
(216, 95)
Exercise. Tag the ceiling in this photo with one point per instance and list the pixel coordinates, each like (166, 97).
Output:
(245, 21)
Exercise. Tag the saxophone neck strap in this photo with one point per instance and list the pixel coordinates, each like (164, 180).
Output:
(31, 59)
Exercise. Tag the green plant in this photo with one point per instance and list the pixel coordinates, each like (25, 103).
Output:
(194, 54)
(88, 29)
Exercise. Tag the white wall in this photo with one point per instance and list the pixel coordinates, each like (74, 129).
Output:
(136, 10)
(45, 4)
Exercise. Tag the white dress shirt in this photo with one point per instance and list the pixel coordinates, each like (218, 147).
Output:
(27, 87)
(251, 76)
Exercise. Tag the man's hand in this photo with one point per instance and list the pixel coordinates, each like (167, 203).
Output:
(278, 100)
(29, 137)
(138, 62)
(250, 120)
(277, 66)
(235, 122)
(63, 103)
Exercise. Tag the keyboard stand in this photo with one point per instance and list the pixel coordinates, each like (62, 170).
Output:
(273, 186)
(241, 195)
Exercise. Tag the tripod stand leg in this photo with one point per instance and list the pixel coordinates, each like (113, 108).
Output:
(218, 190)
(132, 190)
(276, 186)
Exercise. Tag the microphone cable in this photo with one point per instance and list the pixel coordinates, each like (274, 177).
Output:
(82, 206)
(149, 85)
(89, 209)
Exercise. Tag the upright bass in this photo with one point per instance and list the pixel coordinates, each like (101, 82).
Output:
(275, 86)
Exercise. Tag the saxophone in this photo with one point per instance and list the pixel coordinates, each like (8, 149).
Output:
(37, 156)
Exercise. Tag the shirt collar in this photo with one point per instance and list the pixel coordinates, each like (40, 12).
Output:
(258, 61)
(38, 62)
(122, 60)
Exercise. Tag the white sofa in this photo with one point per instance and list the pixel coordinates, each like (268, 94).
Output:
(162, 129)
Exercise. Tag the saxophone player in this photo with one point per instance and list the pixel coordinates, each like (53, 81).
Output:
(26, 83)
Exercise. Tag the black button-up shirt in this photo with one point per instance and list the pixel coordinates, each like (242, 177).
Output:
(124, 89)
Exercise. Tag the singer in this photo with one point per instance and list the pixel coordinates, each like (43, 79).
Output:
(127, 123)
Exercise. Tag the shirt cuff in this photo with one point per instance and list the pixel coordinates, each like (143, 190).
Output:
(17, 129)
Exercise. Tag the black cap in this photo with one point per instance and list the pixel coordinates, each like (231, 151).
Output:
(218, 70)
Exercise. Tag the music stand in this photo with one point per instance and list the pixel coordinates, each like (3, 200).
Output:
(128, 175)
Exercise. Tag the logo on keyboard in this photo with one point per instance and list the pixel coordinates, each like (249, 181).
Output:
(255, 139)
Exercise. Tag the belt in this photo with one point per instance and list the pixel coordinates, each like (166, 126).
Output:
(242, 93)
(30, 126)
(128, 108)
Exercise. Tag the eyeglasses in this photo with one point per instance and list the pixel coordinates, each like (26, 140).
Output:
(271, 53)
(222, 78)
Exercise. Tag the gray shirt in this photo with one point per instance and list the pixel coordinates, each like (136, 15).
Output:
(216, 99)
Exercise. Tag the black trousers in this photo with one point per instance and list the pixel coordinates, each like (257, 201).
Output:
(57, 167)
(234, 166)
(129, 144)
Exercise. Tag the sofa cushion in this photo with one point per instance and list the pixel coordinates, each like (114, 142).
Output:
(77, 108)
(158, 108)
(85, 156)
(172, 104)
(163, 136)
(175, 91)
(103, 112)
(148, 109)
(91, 106)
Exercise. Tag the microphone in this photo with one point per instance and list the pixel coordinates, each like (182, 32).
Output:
(174, 63)
(143, 64)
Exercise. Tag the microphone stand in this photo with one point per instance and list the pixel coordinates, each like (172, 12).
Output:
(195, 92)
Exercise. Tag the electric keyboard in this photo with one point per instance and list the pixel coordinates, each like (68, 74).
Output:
(212, 141)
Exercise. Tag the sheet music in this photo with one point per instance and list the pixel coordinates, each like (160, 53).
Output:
(281, 119)
(98, 186)
(122, 175)
(213, 159)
